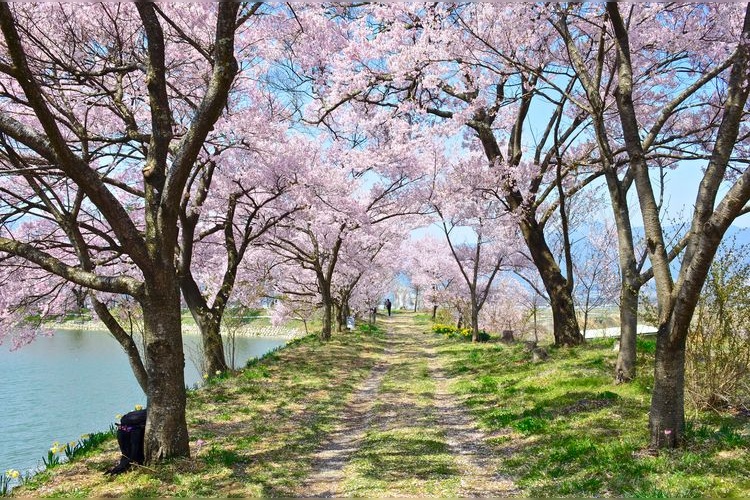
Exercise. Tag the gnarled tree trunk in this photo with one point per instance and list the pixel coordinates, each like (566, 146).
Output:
(214, 359)
(166, 428)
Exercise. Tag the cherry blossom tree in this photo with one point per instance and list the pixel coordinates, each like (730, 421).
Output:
(507, 308)
(488, 243)
(352, 199)
(677, 76)
(429, 264)
(711, 218)
(671, 102)
(472, 72)
(231, 201)
(105, 111)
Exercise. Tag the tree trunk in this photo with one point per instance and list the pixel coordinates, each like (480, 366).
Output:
(630, 283)
(214, 359)
(346, 310)
(80, 299)
(625, 366)
(564, 320)
(667, 416)
(325, 332)
(166, 429)
(565, 323)
(338, 313)
(434, 312)
(586, 312)
(474, 323)
(209, 324)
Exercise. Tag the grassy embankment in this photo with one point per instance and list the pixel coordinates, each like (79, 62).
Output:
(251, 434)
(248, 319)
(560, 427)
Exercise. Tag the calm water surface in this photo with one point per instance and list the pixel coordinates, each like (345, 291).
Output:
(73, 383)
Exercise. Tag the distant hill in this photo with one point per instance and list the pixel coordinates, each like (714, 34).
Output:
(738, 236)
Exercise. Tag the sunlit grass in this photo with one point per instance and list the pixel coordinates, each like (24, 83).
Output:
(566, 429)
(559, 427)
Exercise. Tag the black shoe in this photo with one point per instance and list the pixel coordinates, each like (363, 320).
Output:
(123, 466)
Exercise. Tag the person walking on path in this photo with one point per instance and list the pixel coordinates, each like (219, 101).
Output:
(388, 306)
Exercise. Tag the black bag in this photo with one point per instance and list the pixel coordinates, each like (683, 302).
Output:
(130, 432)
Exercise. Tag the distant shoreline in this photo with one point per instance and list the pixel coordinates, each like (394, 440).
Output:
(190, 329)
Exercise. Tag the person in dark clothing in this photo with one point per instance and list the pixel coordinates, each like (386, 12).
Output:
(388, 306)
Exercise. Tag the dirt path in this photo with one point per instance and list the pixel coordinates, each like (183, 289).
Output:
(479, 466)
(405, 434)
(336, 451)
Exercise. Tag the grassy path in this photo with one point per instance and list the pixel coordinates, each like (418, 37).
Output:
(478, 463)
(338, 447)
(404, 433)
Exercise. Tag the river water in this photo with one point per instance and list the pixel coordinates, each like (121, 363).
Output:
(73, 383)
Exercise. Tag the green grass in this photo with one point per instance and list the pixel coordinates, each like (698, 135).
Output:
(412, 461)
(259, 429)
(404, 452)
(559, 427)
(568, 431)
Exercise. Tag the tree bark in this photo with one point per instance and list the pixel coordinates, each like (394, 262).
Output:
(340, 318)
(667, 415)
(214, 359)
(630, 282)
(166, 428)
(625, 366)
(566, 330)
(474, 322)
(325, 332)
(434, 312)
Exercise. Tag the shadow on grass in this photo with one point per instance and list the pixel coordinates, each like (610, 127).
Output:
(570, 431)
(394, 457)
